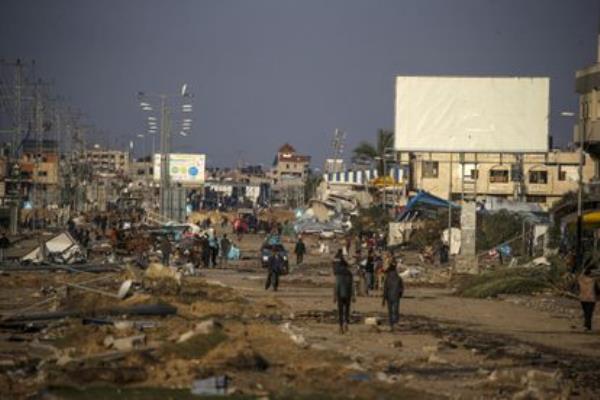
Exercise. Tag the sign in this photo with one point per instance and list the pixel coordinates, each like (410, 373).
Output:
(183, 168)
(472, 114)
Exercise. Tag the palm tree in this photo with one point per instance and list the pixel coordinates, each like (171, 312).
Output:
(365, 152)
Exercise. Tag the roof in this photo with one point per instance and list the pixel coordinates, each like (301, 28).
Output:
(286, 148)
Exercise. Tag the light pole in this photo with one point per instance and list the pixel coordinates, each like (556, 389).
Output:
(582, 136)
(165, 137)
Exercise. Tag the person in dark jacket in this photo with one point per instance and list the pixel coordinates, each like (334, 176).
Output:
(393, 289)
(225, 248)
(370, 270)
(275, 268)
(4, 244)
(300, 250)
(343, 291)
(166, 248)
(588, 294)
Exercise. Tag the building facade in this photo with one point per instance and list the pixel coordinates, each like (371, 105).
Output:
(288, 175)
(104, 162)
(536, 178)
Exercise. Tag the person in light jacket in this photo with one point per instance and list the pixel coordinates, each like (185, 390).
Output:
(588, 294)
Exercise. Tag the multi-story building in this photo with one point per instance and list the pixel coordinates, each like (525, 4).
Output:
(39, 163)
(541, 178)
(289, 165)
(107, 163)
(587, 85)
(289, 173)
(535, 178)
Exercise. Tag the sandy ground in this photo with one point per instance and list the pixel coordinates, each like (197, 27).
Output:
(286, 344)
(445, 344)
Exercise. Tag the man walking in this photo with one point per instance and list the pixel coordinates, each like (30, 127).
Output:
(165, 248)
(4, 244)
(343, 291)
(225, 248)
(300, 250)
(393, 289)
(588, 289)
(275, 268)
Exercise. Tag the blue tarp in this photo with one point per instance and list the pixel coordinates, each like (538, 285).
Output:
(427, 199)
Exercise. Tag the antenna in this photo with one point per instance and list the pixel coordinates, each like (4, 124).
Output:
(337, 144)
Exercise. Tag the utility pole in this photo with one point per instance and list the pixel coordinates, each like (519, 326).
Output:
(165, 141)
(582, 137)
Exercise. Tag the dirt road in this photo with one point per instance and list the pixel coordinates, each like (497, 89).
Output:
(445, 345)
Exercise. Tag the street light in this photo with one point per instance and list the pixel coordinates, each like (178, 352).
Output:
(165, 135)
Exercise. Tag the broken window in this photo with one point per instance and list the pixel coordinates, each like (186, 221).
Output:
(499, 176)
(538, 177)
(430, 169)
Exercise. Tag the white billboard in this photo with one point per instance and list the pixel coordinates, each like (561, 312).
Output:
(472, 114)
(183, 168)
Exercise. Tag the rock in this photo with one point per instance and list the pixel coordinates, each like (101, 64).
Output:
(295, 337)
(158, 272)
(529, 394)
(201, 328)
(355, 366)
(430, 349)
(126, 343)
(397, 344)
(435, 359)
(372, 321)
(206, 327)
(504, 377)
(543, 379)
(383, 377)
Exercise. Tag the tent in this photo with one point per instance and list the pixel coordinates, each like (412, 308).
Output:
(423, 200)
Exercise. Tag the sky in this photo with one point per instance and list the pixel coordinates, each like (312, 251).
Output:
(266, 72)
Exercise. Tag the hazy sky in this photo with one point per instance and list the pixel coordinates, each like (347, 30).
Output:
(265, 72)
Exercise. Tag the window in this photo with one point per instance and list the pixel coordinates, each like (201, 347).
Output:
(567, 172)
(287, 166)
(430, 169)
(499, 176)
(538, 177)
(536, 199)
(42, 173)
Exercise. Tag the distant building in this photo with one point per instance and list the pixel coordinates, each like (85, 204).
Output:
(106, 163)
(289, 173)
(39, 164)
(289, 165)
(587, 85)
(533, 177)
(333, 165)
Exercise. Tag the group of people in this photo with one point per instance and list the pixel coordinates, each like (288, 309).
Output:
(207, 250)
(392, 289)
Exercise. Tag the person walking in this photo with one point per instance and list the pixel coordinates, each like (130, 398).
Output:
(166, 248)
(588, 294)
(343, 293)
(275, 267)
(393, 289)
(4, 244)
(213, 244)
(225, 248)
(300, 250)
(370, 271)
